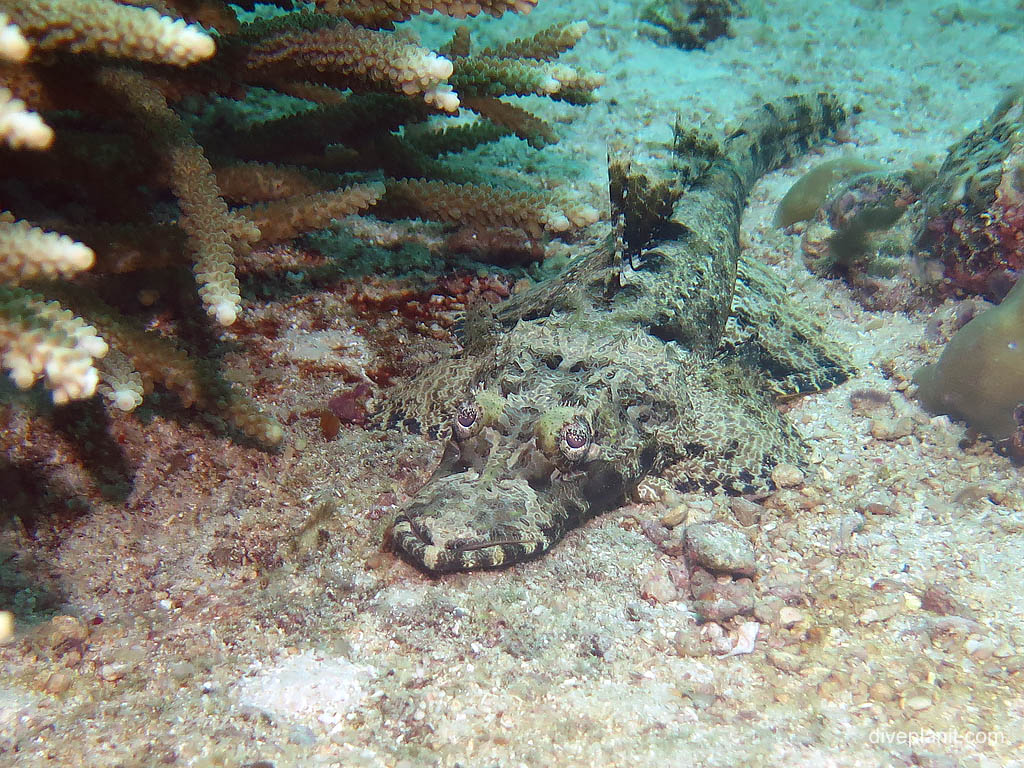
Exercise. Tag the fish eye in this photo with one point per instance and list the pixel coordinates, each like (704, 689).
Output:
(574, 440)
(467, 421)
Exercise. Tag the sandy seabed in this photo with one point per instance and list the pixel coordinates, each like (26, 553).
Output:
(235, 608)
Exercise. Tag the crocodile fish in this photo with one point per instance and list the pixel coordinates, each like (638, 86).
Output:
(664, 354)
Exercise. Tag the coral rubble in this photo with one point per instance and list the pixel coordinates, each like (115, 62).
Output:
(688, 24)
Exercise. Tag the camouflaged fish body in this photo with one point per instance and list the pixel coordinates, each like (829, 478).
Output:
(664, 357)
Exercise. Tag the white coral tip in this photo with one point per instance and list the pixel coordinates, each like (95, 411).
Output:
(225, 312)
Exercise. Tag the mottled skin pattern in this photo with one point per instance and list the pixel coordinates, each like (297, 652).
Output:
(663, 361)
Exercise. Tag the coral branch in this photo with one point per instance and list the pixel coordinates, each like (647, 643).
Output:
(27, 253)
(19, 127)
(346, 56)
(108, 28)
(39, 338)
(204, 214)
(13, 45)
(376, 13)
(285, 219)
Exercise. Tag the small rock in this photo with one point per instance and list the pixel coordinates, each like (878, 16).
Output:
(675, 516)
(881, 692)
(767, 610)
(879, 613)
(658, 587)
(720, 599)
(687, 641)
(180, 671)
(746, 637)
(980, 648)
(788, 616)
(67, 630)
(302, 736)
(747, 513)
(784, 662)
(112, 672)
(938, 598)
(787, 476)
(57, 683)
(718, 547)
(917, 702)
(892, 429)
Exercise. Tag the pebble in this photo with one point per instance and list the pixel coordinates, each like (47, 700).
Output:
(57, 683)
(917, 702)
(767, 610)
(6, 627)
(746, 637)
(718, 547)
(747, 513)
(881, 692)
(675, 516)
(784, 662)
(892, 429)
(721, 599)
(658, 587)
(67, 630)
(980, 648)
(788, 616)
(181, 670)
(687, 641)
(302, 736)
(112, 672)
(879, 613)
(787, 476)
(938, 598)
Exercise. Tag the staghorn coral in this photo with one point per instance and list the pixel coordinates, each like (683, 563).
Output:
(110, 29)
(99, 147)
